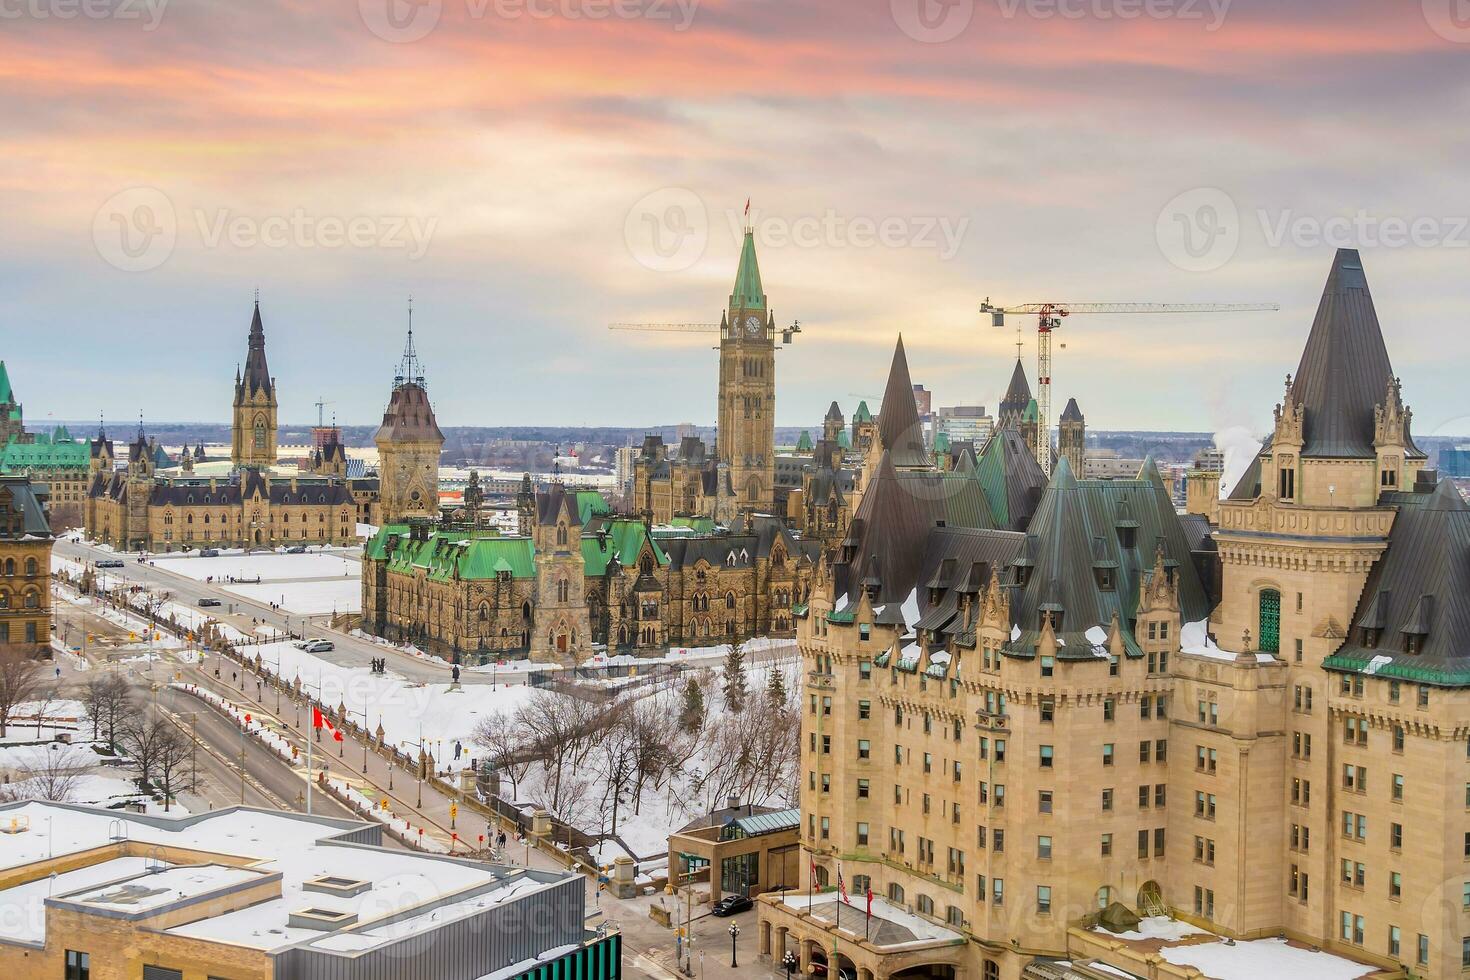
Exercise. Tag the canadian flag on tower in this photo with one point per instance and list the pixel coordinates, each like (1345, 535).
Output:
(319, 720)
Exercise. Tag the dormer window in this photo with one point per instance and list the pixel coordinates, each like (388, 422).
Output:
(1370, 639)
(1286, 487)
(1104, 577)
(1128, 537)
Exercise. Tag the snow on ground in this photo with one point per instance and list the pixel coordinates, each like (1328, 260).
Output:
(265, 566)
(1263, 958)
(306, 598)
(404, 708)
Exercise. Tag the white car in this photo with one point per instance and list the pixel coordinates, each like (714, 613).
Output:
(319, 646)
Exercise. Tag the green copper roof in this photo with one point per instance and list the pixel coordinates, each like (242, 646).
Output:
(863, 414)
(466, 555)
(1032, 413)
(844, 440)
(44, 453)
(377, 548)
(1361, 662)
(941, 441)
(7, 396)
(590, 504)
(748, 293)
(804, 444)
(623, 541)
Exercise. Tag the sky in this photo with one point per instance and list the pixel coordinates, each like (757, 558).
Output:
(529, 171)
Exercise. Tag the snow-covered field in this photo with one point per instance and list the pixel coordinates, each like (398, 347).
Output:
(404, 708)
(312, 598)
(1263, 958)
(265, 566)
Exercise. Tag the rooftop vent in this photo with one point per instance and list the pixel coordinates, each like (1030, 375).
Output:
(323, 919)
(337, 885)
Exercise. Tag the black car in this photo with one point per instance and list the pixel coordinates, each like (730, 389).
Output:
(207, 601)
(110, 563)
(730, 904)
(299, 549)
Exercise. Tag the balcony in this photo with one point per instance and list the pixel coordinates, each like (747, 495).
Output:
(816, 680)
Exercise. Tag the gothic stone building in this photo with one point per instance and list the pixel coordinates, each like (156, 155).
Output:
(1007, 733)
(25, 567)
(575, 578)
(56, 460)
(138, 508)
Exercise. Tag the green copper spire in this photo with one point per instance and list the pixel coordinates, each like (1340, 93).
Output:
(6, 397)
(748, 293)
(804, 444)
(863, 413)
(1031, 414)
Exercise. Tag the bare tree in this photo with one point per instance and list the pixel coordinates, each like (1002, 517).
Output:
(507, 747)
(45, 699)
(108, 700)
(171, 759)
(143, 736)
(20, 679)
(52, 776)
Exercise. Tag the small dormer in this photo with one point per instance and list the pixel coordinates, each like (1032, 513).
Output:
(1374, 618)
(1416, 627)
(1104, 567)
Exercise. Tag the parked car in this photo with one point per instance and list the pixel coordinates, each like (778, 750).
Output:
(730, 904)
(209, 553)
(110, 563)
(299, 549)
(319, 646)
(207, 601)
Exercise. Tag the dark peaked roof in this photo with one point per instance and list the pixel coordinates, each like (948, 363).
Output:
(834, 413)
(409, 417)
(1345, 371)
(1075, 533)
(1418, 593)
(1017, 396)
(1072, 413)
(1012, 479)
(257, 375)
(899, 431)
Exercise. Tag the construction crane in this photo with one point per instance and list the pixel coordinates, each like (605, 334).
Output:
(1049, 319)
(787, 333)
(321, 405)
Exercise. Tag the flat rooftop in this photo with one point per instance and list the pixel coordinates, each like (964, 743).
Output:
(358, 883)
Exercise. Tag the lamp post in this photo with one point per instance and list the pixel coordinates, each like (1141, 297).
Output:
(789, 961)
(734, 934)
(363, 712)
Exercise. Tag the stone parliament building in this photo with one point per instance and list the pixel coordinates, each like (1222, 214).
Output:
(1100, 708)
(253, 505)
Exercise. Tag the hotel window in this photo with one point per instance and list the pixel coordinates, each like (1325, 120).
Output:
(862, 835)
(1107, 754)
(1204, 902)
(997, 840)
(1107, 799)
(1396, 792)
(1048, 708)
(826, 828)
(1354, 779)
(1043, 801)
(1145, 750)
(1353, 873)
(998, 891)
(1043, 899)
(1394, 941)
(1048, 666)
(78, 965)
(1047, 756)
(865, 710)
(862, 789)
(1395, 885)
(1107, 845)
(1396, 836)
(1043, 848)
(1352, 928)
(1423, 950)
(865, 748)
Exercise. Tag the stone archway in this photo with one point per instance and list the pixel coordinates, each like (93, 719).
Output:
(1150, 896)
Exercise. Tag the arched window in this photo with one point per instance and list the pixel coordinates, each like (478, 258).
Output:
(729, 600)
(895, 893)
(1269, 635)
(10, 566)
(1104, 897)
(30, 566)
(925, 905)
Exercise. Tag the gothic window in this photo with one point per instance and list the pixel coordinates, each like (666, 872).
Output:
(561, 591)
(645, 564)
(729, 600)
(10, 566)
(259, 433)
(1270, 621)
(30, 566)
(561, 534)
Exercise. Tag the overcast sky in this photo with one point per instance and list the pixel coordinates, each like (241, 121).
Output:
(530, 170)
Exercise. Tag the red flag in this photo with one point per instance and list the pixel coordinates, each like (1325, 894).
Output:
(842, 885)
(319, 720)
(747, 207)
(870, 901)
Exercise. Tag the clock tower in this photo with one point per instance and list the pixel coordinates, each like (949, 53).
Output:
(747, 410)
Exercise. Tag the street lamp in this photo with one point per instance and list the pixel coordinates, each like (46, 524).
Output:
(789, 961)
(734, 934)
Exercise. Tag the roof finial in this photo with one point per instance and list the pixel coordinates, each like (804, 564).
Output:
(410, 371)
(257, 296)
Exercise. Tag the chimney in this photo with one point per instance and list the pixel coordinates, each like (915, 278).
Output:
(732, 802)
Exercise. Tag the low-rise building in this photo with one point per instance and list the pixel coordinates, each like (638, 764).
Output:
(95, 894)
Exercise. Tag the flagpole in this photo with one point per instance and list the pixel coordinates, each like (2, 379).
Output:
(308, 762)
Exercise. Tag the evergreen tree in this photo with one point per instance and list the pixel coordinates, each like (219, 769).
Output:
(691, 718)
(776, 689)
(735, 689)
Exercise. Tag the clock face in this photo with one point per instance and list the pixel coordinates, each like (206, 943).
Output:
(753, 326)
